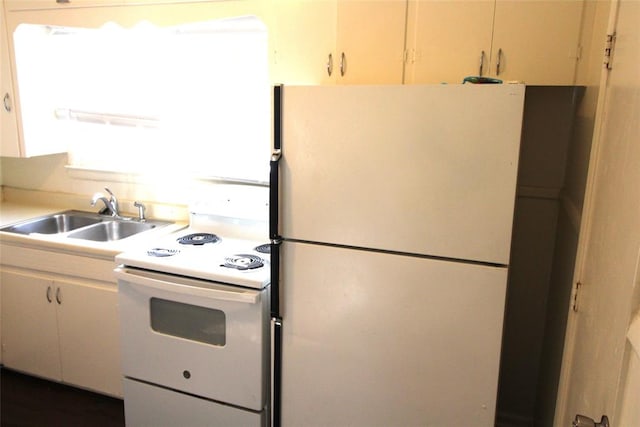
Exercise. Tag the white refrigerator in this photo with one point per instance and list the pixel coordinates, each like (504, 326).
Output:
(391, 220)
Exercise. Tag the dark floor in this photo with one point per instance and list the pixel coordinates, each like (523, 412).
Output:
(29, 401)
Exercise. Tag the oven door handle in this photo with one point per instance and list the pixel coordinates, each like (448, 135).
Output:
(141, 278)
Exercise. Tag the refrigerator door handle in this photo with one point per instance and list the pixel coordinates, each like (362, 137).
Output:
(274, 164)
(275, 277)
(277, 117)
(274, 199)
(276, 385)
(276, 241)
(274, 184)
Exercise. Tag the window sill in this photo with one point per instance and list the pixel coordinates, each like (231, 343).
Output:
(91, 174)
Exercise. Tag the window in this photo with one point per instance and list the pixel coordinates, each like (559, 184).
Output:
(192, 100)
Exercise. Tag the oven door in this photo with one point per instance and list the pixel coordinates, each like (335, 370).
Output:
(195, 336)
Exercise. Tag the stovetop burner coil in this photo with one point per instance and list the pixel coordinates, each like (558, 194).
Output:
(198, 239)
(243, 262)
(162, 252)
(263, 249)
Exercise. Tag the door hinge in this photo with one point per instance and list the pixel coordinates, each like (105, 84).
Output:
(583, 421)
(608, 50)
(575, 296)
(410, 56)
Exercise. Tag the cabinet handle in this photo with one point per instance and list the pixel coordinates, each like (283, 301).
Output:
(49, 294)
(59, 296)
(343, 64)
(63, 1)
(7, 102)
(330, 65)
(498, 62)
(481, 64)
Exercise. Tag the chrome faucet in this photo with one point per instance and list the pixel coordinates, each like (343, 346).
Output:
(110, 204)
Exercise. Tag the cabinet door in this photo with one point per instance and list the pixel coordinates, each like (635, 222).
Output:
(370, 42)
(303, 34)
(29, 325)
(536, 41)
(143, 2)
(89, 336)
(446, 40)
(54, 4)
(1, 318)
(8, 126)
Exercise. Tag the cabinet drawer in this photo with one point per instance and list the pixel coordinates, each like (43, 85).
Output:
(155, 406)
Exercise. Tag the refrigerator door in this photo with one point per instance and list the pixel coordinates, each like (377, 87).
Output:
(374, 339)
(417, 169)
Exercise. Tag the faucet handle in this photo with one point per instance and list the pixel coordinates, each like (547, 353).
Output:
(113, 200)
(141, 210)
(110, 192)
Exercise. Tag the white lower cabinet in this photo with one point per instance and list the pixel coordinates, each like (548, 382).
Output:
(29, 325)
(61, 329)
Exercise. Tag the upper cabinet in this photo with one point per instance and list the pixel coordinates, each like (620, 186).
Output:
(143, 2)
(536, 41)
(9, 145)
(70, 4)
(53, 4)
(533, 41)
(303, 39)
(370, 42)
(448, 40)
(338, 41)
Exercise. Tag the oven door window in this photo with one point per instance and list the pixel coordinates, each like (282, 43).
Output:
(191, 322)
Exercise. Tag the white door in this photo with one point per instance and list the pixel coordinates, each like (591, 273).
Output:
(93, 342)
(9, 145)
(30, 326)
(535, 41)
(212, 337)
(375, 339)
(599, 362)
(370, 42)
(303, 36)
(439, 49)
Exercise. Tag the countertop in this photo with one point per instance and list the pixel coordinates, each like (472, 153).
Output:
(15, 212)
(12, 212)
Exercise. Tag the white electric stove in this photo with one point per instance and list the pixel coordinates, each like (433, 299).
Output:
(195, 311)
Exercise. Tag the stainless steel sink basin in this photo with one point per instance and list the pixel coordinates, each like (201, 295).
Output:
(84, 225)
(58, 223)
(111, 230)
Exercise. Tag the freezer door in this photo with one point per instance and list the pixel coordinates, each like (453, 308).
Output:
(373, 339)
(418, 169)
